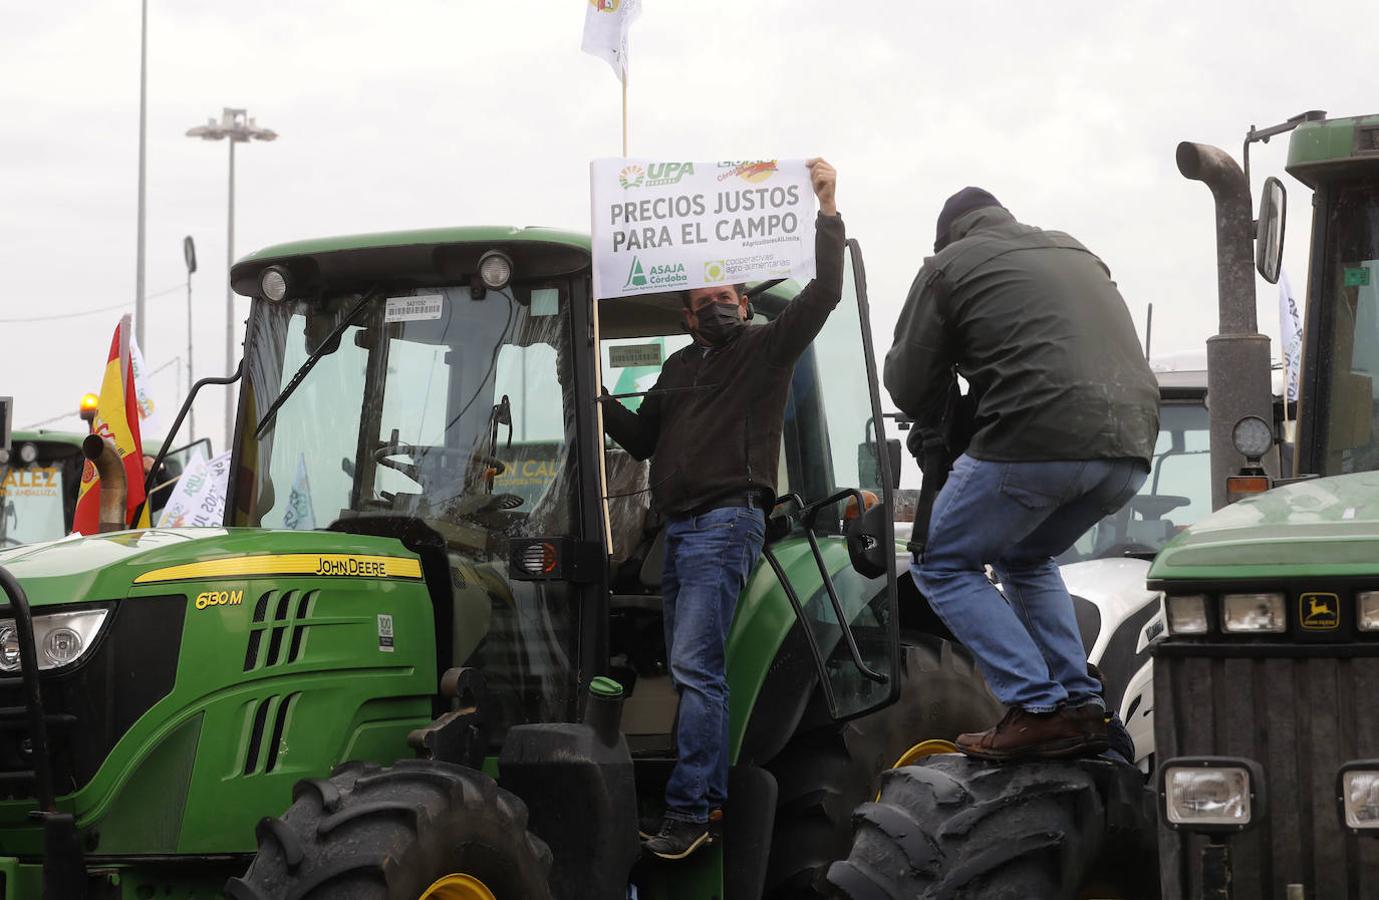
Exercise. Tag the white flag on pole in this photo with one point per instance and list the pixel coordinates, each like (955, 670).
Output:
(198, 499)
(149, 424)
(299, 515)
(1289, 336)
(605, 31)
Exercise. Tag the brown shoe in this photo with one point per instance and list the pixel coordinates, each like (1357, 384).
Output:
(1061, 734)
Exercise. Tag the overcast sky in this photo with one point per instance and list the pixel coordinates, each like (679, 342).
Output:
(446, 112)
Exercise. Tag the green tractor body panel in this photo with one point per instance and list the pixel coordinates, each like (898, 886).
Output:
(277, 676)
(1326, 526)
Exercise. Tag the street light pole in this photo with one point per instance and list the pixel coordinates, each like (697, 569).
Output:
(143, 138)
(236, 125)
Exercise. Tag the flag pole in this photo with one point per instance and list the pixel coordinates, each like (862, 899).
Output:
(624, 113)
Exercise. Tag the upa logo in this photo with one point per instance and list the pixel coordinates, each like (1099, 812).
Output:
(631, 176)
(663, 173)
(636, 277)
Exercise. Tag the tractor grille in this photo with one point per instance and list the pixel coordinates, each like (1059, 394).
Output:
(1300, 716)
(280, 639)
(93, 704)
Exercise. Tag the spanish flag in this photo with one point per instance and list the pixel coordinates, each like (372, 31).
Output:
(117, 419)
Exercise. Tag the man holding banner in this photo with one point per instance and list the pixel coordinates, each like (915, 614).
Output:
(712, 427)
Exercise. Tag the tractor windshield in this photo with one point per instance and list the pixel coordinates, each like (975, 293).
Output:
(1349, 348)
(31, 504)
(38, 489)
(434, 405)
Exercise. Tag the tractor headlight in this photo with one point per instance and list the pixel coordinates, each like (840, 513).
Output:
(1187, 613)
(60, 639)
(1359, 795)
(1367, 610)
(495, 270)
(1253, 613)
(1211, 793)
(274, 283)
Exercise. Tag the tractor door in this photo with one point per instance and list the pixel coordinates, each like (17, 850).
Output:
(832, 539)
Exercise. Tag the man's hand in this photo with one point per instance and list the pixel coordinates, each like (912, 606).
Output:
(824, 179)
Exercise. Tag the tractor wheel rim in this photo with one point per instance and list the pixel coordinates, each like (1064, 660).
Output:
(931, 747)
(457, 887)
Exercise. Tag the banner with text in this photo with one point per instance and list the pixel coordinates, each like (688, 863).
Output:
(670, 226)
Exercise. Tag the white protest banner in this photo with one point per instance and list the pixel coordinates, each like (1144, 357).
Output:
(668, 226)
(1289, 336)
(198, 500)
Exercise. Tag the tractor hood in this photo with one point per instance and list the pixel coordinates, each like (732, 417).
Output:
(112, 566)
(1323, 526)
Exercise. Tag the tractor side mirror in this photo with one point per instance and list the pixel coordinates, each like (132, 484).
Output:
(1273, 209)
(866, 542)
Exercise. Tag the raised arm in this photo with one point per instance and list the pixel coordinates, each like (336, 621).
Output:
(805, 316)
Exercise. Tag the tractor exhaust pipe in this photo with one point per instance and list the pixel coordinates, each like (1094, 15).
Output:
(110, 470)
(1238, 377)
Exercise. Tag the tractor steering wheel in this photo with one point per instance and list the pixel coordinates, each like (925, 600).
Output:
(397, 448)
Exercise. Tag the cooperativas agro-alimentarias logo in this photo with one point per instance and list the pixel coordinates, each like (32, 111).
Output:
(631, 176)
(754, 171)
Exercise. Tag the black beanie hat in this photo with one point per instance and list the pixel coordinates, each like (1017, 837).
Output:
(959, 205)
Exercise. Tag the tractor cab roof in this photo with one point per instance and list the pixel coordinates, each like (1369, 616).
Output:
(447, 256)
(1327, 149)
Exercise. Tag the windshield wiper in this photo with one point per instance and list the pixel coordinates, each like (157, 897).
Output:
(328, 346)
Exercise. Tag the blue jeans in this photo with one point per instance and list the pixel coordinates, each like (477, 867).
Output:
(1017, 516)
(708, 558)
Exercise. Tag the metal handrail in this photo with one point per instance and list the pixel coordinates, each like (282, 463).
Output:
(18, 607)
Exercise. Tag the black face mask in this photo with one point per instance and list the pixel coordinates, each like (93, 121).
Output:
(719, 323)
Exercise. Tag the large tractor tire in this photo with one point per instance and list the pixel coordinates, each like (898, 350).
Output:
(962, 829)
(418, 830)
(824, 773)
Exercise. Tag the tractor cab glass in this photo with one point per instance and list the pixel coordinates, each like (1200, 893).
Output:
(1348, 287)
(447, 405)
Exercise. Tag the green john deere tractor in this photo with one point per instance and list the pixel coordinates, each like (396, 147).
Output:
(1265, 781)
(424, 657)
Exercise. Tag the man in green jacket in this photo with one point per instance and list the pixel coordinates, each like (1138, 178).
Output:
(1066, 416)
